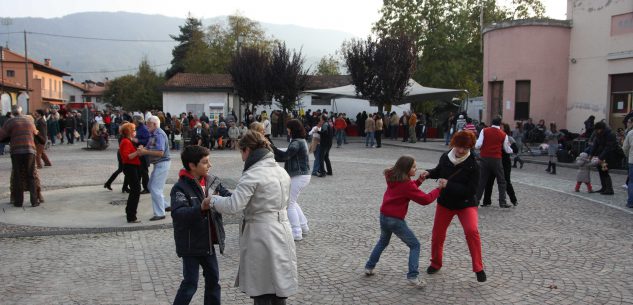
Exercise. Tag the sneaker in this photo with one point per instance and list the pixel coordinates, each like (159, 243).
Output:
(417, 282)
(369, 271)
(297, 238)
(305, 230)
(624, 186)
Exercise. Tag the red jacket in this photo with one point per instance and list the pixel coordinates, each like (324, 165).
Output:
(395, 202)
(340, 123)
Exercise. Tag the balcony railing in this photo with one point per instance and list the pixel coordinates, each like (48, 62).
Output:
(51, 94)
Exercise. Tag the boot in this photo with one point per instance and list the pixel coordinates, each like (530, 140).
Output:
(553, 172)
(549, 166)
(608, 185)
(522, 162)
(516, 159)
(577, 188)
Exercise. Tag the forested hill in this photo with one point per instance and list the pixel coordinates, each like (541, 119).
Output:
(97, 59)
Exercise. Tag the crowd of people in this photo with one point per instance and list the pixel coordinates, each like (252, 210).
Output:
(268, 194)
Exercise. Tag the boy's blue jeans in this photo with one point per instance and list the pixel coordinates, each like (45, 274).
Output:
(389, 226)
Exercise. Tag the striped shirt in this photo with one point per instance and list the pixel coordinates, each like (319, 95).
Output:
(21, 130)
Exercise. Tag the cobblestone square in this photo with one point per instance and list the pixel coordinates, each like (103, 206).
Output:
(555, 247)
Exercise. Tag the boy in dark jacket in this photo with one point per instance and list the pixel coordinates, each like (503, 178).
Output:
(196, 227)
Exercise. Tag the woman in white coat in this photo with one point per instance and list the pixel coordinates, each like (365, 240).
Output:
(268, 260)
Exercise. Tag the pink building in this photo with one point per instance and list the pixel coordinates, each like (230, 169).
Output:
(526, 70)
(562, 71)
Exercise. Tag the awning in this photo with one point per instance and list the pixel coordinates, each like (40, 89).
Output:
(55, 103)
(216, 105)
(415, 93)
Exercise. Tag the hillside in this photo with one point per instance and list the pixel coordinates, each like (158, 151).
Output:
(97, 59)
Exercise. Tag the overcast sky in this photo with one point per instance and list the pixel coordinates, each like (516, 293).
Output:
(353, 16)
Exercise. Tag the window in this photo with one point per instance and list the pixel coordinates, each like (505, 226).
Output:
(522, 101)
(10, 73)
(72, 98)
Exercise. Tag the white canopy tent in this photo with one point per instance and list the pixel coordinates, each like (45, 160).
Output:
(416, 93)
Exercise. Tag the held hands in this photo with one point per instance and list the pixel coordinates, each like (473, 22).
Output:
(441, 183)
(206, 204)
(423, 175)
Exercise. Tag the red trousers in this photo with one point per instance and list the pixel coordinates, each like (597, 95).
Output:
(468, 217)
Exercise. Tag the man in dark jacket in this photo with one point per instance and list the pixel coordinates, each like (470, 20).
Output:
(196, 227)
(603, 148)
(326, 133)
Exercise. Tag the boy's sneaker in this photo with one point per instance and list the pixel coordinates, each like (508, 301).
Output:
(369, 271)
(417, 282)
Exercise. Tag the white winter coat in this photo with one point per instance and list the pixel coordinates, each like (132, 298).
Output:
(268, 260)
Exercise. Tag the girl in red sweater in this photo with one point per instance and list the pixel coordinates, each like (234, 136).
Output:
(395, 203)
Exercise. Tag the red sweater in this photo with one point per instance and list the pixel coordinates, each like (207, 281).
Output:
(493, 143)
(395, 202)
(126, 148)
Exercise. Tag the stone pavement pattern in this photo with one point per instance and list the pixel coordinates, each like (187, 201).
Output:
(556, 247)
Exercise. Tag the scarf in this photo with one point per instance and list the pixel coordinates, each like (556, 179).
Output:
(455, 160)
(255, 156)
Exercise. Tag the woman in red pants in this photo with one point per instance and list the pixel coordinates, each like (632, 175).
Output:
(458, 172)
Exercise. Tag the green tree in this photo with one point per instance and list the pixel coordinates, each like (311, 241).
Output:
(225, 38)
(447, 34)
(136, 92)
(286, 77)
(328, 65)
(191, 33)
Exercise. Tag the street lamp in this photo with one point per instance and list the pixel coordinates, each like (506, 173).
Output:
(240, 39)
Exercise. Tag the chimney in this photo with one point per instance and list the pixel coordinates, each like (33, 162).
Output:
(47, 62)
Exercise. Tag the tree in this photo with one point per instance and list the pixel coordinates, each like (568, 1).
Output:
(286, 76)
(249, 71)
(136, 92)
(381, 70)
(447, 34)
(222, 40)
(328, 65)
(190, 34)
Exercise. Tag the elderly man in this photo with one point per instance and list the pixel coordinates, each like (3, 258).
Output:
(492, 140)
(22, 130)
(157, 152)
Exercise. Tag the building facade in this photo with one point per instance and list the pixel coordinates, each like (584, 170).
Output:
(44, 86)
(562, 71)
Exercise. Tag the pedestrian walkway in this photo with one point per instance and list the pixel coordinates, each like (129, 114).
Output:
(555, 247)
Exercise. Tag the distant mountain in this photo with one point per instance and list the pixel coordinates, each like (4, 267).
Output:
(103, 58)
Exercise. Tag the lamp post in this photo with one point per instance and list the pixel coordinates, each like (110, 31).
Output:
(240, 38)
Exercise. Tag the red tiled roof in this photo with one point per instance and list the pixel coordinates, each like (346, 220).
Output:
(95, 91)
(195, 81)
(316, 82)
(192, 81)
(11, 84)
(76, 85)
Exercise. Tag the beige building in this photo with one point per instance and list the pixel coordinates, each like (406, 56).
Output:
(601, 61)
(45, 82)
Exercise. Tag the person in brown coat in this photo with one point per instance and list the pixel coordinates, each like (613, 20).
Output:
(40, 139)
(21, 130)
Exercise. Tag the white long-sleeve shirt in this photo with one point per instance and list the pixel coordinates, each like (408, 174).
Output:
(506, 142)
